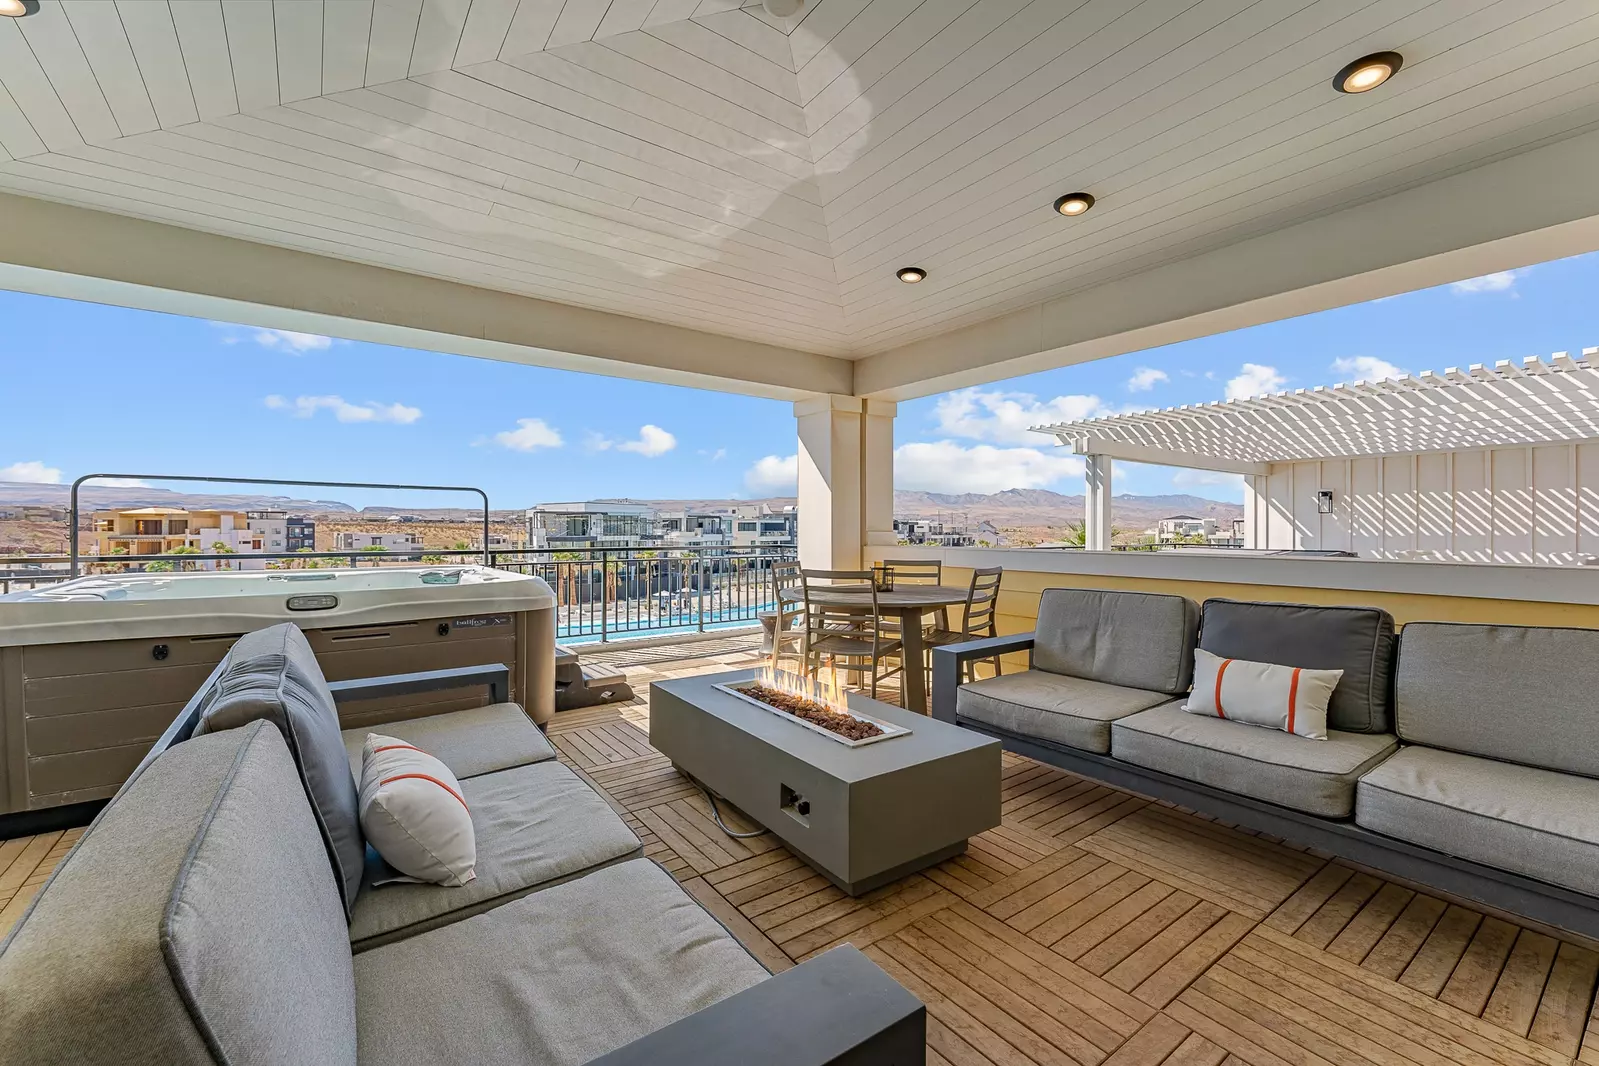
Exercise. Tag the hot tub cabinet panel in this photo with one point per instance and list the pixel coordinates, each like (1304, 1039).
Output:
(76, 716)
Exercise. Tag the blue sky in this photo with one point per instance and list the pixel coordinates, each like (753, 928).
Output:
(99, 388)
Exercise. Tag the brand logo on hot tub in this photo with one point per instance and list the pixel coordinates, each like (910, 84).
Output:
(312, 603)
(483, 620)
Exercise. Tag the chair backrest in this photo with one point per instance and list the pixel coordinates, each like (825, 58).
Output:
(982, 600)
(785, 575)
(914, 571)
(1522, 694)
(860, 613)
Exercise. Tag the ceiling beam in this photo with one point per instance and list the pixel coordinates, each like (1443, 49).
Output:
(1529, 208)
(1143, 453)
(61, 250)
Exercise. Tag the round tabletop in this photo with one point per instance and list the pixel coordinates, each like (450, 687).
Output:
(903, 596)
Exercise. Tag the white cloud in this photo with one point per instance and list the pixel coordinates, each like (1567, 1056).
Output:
(1254, 379)
(1146, 378)
(717, 456)
(1496, 282)
(652, 442)
(1005, 417)
(1366, 368)
(122, 483)
(530, 435)
(290, 341)
(31, 472)
(946, 466)
(344, 411)
(774, 475)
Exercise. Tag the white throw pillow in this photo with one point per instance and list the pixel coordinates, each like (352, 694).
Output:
(1289, 698)
(413, 813)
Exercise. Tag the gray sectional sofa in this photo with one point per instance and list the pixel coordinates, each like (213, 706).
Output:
(1458, 755)
(204, 916)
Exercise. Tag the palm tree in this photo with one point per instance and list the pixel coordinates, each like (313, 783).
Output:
(182, 549)
(220, 548)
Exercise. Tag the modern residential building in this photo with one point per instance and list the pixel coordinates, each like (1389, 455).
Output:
(693, 529)
(299, 534)
(406, 545)
(592, 524)
(1184, 527)
(160, 530)
(764, 527)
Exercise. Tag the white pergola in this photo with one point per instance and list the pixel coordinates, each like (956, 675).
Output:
(1535, 402)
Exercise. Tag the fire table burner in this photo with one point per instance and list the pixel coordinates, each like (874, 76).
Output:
(862, 814)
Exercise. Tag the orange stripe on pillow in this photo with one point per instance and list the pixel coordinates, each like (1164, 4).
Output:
(1220, 670)
(1293, 695)
(395, 747)
(425, 777)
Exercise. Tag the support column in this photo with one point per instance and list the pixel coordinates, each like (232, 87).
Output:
(1097, 476)
(846, 479)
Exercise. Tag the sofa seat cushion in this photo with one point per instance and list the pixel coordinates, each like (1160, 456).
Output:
(1540, 823)
(473, 742)
(556, 979)
(536, 826)
(1054, 707)
(1314, 776)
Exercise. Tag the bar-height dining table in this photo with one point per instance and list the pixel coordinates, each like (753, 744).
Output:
(910, 604)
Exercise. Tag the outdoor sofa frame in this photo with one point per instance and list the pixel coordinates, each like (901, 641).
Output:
(1525, 896)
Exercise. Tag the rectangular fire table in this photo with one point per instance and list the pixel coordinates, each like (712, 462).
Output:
(863, 816)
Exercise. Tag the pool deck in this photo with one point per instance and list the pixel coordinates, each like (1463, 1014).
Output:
(1093, 926)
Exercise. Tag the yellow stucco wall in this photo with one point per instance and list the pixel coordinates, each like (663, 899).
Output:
(1021, 589)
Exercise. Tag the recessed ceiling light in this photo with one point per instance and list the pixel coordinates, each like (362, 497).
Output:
(910, 275)
(1368, 72)
(17, 8)
(1074, 203)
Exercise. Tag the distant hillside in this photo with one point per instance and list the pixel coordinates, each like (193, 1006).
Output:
(93, 496)
(1013, 508)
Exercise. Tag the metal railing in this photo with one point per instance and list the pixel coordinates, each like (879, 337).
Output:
(600, 593)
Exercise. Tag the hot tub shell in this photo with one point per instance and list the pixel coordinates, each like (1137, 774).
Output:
(92, 670)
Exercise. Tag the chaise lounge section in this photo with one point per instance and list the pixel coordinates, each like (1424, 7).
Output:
(1458, 756)
(202, 918)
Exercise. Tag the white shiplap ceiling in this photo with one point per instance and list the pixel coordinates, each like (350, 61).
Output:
(703, 163)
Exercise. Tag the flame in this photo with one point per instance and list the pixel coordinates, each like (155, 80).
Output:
(824, 688)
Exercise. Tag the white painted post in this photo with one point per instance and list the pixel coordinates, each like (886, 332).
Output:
(846, 479)
(1097, 477)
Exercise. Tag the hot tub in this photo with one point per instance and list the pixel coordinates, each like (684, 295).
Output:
(92, 670)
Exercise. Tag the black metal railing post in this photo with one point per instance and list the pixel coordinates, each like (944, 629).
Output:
(605, 594)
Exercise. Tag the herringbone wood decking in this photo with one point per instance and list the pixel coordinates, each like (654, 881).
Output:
(1094, 926)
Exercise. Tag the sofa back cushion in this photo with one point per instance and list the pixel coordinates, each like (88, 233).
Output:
(271, 675)
(1523, 694)
(196, 922)
(1357, 640)
(1132, 639)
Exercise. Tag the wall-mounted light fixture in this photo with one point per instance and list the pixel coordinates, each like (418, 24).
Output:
(1324, 501)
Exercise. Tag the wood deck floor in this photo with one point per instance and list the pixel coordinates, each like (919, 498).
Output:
(1094, 926)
